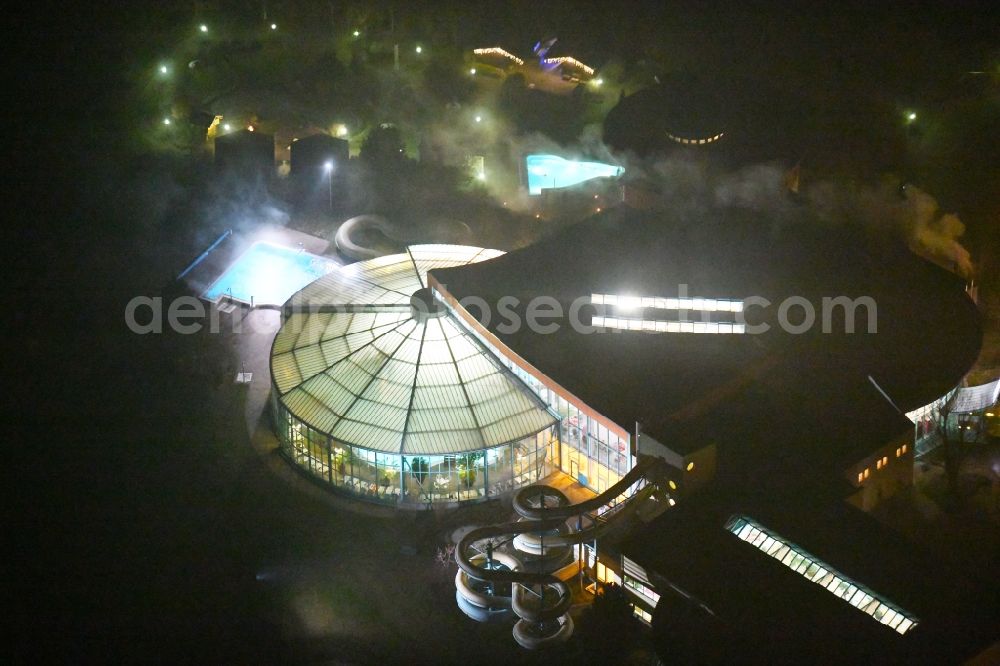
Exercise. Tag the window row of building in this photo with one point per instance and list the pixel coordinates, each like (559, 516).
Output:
(694, 142)
(585, 446)
(657, 303)
(817, 571)
(882, 462)
(393, 478)
(659, 326)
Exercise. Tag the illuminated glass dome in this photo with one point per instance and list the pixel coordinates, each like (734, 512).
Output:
(379, 390)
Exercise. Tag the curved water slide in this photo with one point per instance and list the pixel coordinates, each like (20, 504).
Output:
(489, 585)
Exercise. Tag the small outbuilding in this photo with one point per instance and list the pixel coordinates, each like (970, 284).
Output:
(247, 152)
(310, 153)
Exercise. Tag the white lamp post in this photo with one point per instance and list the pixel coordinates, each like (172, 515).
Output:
(328, 168)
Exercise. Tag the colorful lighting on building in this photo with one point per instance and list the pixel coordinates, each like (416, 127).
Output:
(571, 62)
(497, 51)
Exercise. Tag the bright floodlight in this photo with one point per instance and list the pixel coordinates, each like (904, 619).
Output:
(479, 119)
(203, 27)
(328, 166)
(163, 69)
(481, 175)
(472, 71)
(227, 127)
(598, 82)
(342, 130)
(420, 49)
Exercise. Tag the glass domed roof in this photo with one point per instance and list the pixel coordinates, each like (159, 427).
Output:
(353, 362)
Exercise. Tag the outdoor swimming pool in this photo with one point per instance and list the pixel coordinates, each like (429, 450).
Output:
(268, 274)
(553, 172)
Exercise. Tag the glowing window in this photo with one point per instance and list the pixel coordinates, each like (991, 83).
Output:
(867, 472)
(904, 448)
(606, 575)
(673, 486)
(641, 614)
(816, 571)
(861, 477)
(690, 466)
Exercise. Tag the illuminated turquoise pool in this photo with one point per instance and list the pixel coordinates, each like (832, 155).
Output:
(552, 172)
(267, 274)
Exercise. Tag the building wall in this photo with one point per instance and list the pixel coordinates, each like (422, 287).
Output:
(416, 480)
(883, 473)
(699, 468)
(589, 446)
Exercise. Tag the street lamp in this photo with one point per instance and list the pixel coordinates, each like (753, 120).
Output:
(164, 69)
(274, 26)
(420, 49)
(472, 71)
(356, 33)
(479, 119)
(328, 168)
(166, 121)
(911, 116)
(203, 28)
